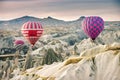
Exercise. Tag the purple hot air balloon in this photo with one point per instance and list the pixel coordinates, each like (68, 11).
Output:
(19, 42)
(93, 26)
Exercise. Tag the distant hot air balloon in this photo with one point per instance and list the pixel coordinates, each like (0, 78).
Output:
(93, 26)
(19, 42)
(32, 31)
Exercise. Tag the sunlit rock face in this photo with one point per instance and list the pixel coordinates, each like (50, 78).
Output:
(98, 63)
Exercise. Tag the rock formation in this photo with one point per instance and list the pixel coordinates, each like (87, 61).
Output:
(98, 63)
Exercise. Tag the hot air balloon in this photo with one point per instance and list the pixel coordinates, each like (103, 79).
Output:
(32, 31)
(93, 26)
(19, 42)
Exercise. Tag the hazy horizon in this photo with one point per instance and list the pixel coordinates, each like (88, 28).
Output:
(47, 17)
(60, 9)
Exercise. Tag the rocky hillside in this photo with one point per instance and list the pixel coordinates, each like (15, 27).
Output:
(58, 47)
(98, 63)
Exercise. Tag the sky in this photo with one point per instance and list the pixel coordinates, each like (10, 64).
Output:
(66, 10)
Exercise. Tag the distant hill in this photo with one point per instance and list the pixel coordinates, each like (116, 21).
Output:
(15, 24)
(46, 22)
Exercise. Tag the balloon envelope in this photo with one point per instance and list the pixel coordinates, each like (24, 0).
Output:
(32, 31)
(19, 42)
(93, 26)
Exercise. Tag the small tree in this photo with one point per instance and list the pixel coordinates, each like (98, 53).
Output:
(28, 61)
(75, 49)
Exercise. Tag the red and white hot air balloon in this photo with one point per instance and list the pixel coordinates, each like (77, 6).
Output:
(32, 31)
